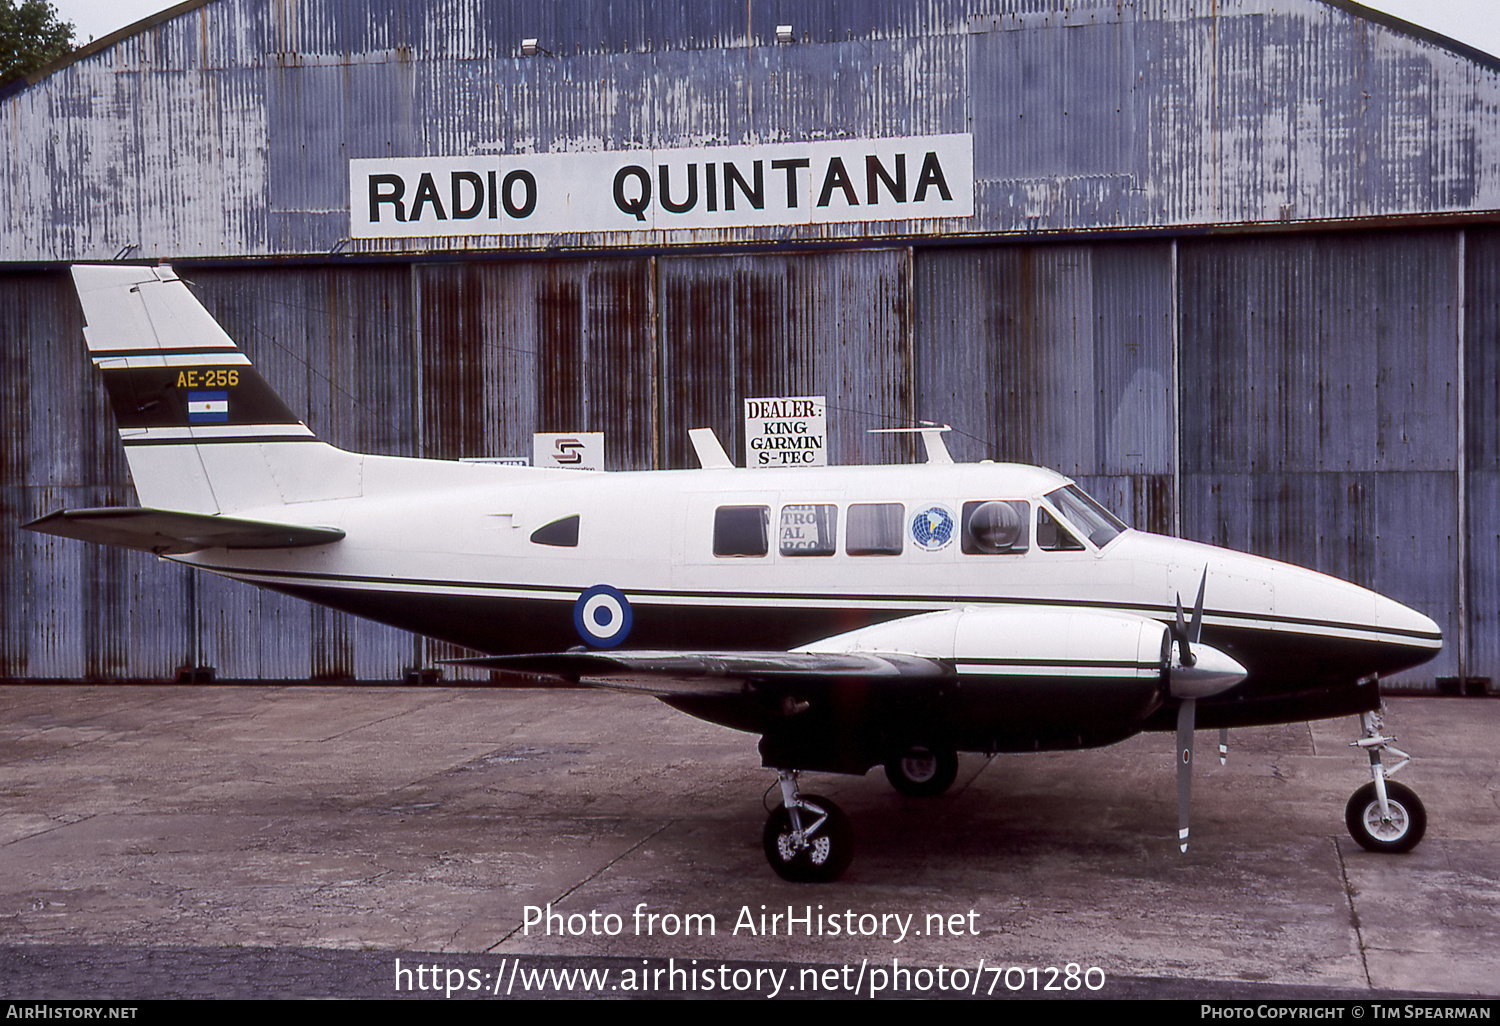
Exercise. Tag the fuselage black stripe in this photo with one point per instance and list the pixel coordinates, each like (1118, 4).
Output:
(890, 601)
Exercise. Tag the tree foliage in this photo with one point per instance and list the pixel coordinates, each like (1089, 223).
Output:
(31, 35)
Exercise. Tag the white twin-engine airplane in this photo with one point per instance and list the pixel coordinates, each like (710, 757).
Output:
(851, 616)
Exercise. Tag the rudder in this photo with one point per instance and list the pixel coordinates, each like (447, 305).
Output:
(203, 431)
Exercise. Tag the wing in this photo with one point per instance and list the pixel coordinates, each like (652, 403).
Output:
(169, 532)
(998, 678)
(666, 673)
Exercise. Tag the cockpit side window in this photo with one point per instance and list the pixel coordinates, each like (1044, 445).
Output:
(1098, 524)
(741, 530)
(874, 529)
(562, 533)
(996, 527)
(809, 530)
(1051, 536)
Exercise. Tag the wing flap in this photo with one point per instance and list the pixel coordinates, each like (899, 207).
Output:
(170, 532)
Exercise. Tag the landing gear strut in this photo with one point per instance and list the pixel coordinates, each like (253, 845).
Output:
(808, 839)
(1384, 816)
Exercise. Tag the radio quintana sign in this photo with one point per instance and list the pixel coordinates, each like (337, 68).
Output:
(896, 179)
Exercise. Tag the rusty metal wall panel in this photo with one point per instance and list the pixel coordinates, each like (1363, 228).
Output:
(1482, 448)
(68, 609)
(227, 129)
(1055, 355)
(1327, 353)
(85, 612)
(517, 347)
(1319, 391)
(1483, 569)
(833, 324)
(1054, 118)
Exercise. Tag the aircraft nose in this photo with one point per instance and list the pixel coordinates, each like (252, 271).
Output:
(1391, 637)
(1396, 618)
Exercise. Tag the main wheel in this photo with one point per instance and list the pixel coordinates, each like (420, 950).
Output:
(923, 772)
(828, 850)
(1400, 833)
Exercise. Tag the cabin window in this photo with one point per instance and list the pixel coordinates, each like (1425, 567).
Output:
(874, 529)
(741, 530)
(1098, 524)
(996, 527)
(809, 530)
(562, 533)
(1052, 536)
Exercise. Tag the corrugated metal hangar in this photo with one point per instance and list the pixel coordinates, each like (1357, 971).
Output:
(1233, 264)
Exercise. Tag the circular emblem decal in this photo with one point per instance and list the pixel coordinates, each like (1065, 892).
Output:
(602, 616)
(932, 527)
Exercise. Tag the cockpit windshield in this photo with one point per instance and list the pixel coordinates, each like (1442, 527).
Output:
(1096, 523)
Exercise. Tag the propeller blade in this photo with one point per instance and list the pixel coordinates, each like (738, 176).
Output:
(1223, 745)
(1186, 713)
(1180, 632)
(1195, 630)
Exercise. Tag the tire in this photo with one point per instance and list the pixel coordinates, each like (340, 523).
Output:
(922, 772)
(1407, 824)
(825, 858)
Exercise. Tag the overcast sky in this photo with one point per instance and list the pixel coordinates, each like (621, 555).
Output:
(1476, 22)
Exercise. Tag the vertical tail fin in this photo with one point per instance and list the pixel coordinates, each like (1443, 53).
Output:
(202, 430)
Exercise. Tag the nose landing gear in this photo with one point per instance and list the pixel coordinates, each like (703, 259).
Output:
(1384, 816)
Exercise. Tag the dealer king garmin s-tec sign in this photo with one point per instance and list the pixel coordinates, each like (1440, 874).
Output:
(642, 190)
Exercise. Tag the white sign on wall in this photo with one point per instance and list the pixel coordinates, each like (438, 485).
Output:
(575, 450)
(790, 431)
(895, 179)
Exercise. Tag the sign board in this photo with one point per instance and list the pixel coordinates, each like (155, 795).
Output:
(575, 450)
(790, 431)
(893, 179)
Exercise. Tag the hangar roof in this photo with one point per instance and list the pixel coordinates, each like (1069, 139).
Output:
(226, 128)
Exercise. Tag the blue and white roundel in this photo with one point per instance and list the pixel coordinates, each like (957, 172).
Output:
(602, 616)
(932, 527)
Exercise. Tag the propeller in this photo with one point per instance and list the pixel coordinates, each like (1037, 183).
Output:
(1198, 671)
(1185, 713)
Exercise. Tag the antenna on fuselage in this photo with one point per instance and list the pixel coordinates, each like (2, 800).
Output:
(711, 455)
(932, 438)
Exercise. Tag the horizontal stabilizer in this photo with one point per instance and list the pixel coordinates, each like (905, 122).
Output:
(668, 672)
(168, 532)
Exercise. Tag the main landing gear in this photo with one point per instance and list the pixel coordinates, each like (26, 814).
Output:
(922, 772)
(1384, 816)
(808, 839)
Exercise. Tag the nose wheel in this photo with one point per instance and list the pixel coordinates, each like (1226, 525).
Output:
(1384, 816)
(808, 839)
(1396, 828)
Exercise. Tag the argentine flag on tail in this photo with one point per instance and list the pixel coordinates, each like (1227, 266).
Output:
(208, 407)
